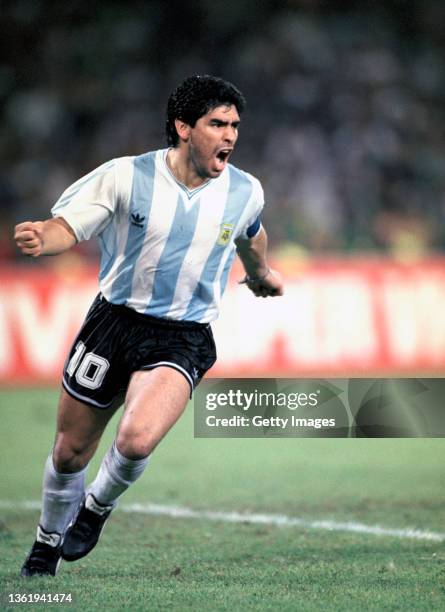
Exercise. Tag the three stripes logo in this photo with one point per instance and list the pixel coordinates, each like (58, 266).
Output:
(137, 220)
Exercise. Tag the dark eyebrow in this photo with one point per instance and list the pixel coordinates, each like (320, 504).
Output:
(221, 122)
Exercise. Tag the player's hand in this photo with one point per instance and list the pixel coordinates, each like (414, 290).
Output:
(29, 237)
(270, 285)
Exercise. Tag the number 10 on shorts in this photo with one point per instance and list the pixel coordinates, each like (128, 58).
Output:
(89, 368)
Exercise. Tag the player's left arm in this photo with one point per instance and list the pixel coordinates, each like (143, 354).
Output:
(260, 278)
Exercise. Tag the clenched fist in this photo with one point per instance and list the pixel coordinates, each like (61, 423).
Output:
(29, 237)
(269, 285)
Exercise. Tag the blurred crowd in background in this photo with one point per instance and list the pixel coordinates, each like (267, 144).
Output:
(344, 125)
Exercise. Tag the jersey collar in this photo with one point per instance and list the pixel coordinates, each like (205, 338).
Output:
(190, 193)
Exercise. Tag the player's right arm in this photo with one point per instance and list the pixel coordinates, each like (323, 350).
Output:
(83, 210)
(51, 237)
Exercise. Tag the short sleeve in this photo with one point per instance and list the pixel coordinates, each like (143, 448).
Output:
(89, 203)
(256, 204)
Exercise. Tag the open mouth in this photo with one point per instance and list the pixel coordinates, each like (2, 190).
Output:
(222, 156)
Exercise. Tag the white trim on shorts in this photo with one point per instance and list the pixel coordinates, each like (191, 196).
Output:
(173, 365)
(84, 398)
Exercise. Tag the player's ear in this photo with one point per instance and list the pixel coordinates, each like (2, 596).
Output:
(183, 130)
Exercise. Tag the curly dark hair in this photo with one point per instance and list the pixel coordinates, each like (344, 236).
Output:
(195, 97)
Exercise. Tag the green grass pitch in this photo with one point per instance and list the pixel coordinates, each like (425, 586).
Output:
(146, 562)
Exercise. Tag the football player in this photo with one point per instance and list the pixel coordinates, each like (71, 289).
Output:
(169, 223)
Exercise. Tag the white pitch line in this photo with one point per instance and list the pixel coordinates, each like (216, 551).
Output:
(278, 520)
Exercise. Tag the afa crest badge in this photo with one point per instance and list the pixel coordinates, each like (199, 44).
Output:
(225, 234)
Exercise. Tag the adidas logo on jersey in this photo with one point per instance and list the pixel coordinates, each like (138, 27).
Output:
(137, 220)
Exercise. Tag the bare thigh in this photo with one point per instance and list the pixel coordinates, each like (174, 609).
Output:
(155, 400)
(79, 429)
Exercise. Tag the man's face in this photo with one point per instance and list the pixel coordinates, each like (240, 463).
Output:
(212, 140)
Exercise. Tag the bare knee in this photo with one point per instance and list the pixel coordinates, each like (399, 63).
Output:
(133, 445)
(70, 455)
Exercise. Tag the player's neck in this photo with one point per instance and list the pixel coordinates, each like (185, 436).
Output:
(183, 169)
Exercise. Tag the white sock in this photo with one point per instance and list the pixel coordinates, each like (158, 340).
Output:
(61, 496)
(115, 475)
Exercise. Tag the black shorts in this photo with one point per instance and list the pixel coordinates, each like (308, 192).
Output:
(116, 341)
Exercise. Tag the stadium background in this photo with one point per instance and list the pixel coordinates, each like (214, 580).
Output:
(344, 128)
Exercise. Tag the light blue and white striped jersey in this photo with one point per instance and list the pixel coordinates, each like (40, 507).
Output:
(166, 251)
